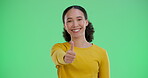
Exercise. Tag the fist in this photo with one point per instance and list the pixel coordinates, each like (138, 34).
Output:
(70, 54)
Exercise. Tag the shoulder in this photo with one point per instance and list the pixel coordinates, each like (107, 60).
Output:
(101, 51)
(60, 46)
(99, 48)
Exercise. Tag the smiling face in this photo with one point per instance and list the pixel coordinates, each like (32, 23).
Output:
(75, 23)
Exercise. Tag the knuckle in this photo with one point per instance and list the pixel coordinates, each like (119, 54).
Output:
(67, 52)
(72, 57)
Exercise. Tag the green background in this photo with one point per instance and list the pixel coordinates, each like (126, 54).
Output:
(29, 28)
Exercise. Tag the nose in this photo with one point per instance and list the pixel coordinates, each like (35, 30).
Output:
(75, 24)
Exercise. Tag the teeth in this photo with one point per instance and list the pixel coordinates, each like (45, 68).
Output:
(76, 30)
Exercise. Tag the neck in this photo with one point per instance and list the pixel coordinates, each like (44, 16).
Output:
(80, 42)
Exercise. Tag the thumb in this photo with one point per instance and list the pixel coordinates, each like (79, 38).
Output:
(71, 45)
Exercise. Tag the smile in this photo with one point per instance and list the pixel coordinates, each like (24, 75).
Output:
(76, 30)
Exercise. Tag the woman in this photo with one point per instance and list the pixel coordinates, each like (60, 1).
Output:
(77, 57)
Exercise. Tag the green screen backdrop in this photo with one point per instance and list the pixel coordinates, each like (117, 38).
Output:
(29, 28)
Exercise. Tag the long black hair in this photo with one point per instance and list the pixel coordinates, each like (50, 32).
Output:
(89, 29)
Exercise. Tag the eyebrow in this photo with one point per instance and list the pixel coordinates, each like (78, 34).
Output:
(76, 17)
(79, 17)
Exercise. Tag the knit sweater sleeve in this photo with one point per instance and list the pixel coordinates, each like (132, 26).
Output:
(104, 71)
(57, 54)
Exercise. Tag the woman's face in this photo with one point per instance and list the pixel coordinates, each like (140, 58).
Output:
(75, 23)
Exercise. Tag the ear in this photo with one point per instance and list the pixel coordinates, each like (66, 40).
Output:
(86, 23)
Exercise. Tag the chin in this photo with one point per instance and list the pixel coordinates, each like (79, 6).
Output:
(77, 35)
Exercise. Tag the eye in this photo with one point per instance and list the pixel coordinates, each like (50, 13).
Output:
(69, 21)
(79, 19)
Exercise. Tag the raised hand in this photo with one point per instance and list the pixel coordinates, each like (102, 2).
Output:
(70, 54)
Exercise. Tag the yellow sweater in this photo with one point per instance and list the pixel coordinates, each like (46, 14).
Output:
(91, 62)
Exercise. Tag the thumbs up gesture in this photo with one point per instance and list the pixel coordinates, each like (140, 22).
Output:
(70, 54)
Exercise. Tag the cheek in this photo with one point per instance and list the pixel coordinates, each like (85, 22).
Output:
(84, 27)
(82, 23)
(68, 24)
(67, 28)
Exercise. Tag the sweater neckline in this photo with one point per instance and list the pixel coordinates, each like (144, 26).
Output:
(79, 47)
